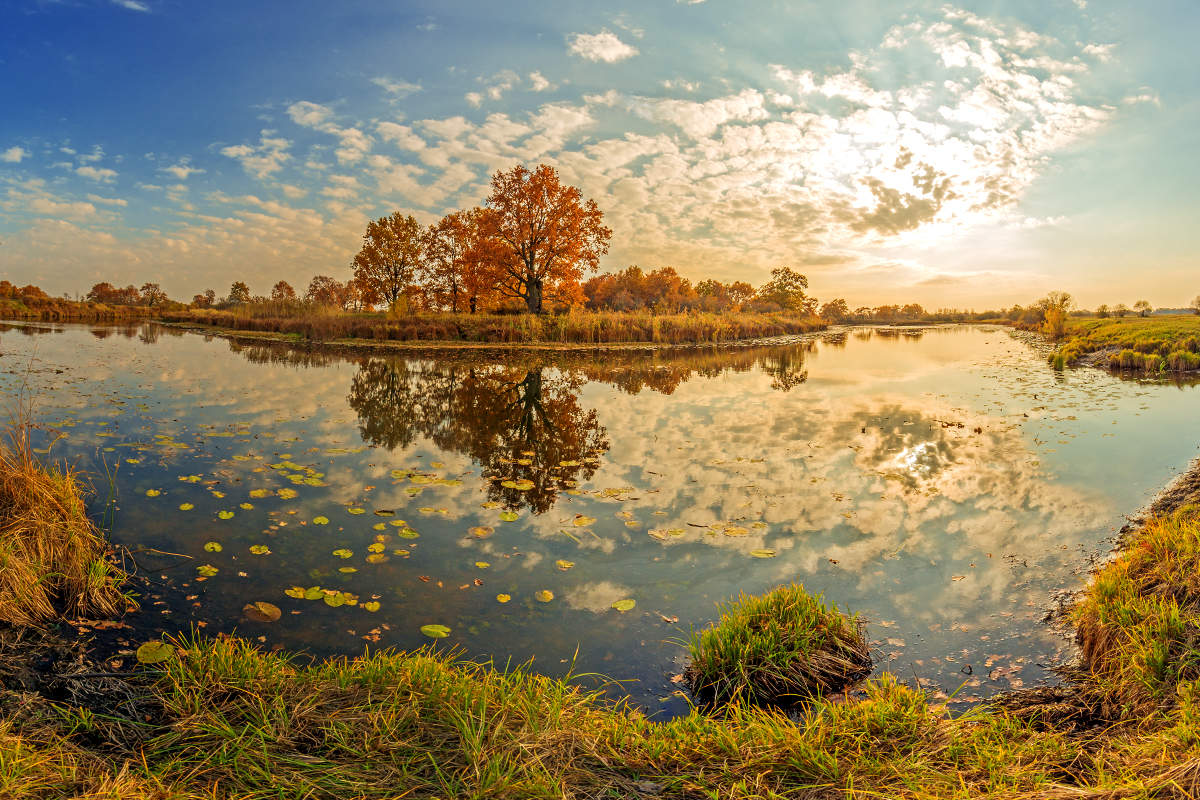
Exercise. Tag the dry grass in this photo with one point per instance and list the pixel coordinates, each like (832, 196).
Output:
(53, 559)
(573, 327)
(1169, 343)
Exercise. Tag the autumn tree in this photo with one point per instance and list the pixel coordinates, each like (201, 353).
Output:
(1195, 304)
(282, 292)
(547, 234)
(206, 300)
(239, 292)
(786, 290)
(459, 268)
(1143, 308)
(1120, 310)
(391, 254)
(835, 310)
(1055, 308)
(152, 294)
(325, 291)
(1102, 310)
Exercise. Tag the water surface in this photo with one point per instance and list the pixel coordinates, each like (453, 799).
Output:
(943, 482)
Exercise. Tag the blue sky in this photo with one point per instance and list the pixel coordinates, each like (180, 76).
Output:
(969, 154)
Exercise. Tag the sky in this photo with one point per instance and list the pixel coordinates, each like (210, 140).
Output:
(970, 154)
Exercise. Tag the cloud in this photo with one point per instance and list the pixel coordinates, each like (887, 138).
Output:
(395, 88)
(100, 174)
(604, 46)
(132, 5)
(354, 144)
(261, 160)
(181, 171)
(108, 201)
(14, 155)
(538, 82)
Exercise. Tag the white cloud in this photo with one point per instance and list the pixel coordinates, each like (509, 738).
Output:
(132, 5)
(261, 160)
(14, 155)
(397, 89)
(354, 144)
(604, 46)
(108, 201)
(100, 174)
(181, 171)
(474, 98)
(538, 82)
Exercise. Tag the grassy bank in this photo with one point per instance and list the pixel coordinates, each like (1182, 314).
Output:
(575, 327)
(218, 718)
(61, 310)
(1136, 344)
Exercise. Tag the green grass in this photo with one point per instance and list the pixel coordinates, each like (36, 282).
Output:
(778, 648)
(1142, 344)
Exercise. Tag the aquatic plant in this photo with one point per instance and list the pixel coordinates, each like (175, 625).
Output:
(777, 648)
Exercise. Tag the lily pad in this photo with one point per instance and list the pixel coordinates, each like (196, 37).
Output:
(313, 593)
(287, 494)
(296, 592)
(764, 553)
(544, 595)
(224, 515)
(503, 598)
(435, 631)
(155, 652)
(509, 516)
(153, 493)
(582, 521)
(563, 564)
(342, 552)
(624, 605)
(371, 605)
(357, 511)
(186, 506)
(320, 521)
(260, 550)
(212, 547)
(335, 600)
(262, 611)
(482, 531)
(482, 564)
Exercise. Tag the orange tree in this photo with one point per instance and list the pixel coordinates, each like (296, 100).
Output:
(545, 234)
(392, 251)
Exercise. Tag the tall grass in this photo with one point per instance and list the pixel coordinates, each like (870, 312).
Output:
(53, 559)
(573, 327)
(1139, 344)
(778, 648)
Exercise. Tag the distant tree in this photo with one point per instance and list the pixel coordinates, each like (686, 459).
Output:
(1143, 308)
(1120, 310)
(1055, 308)
(1195, 304)
(912, 311)
(110, 295)
(547, 236)
(239, 293)
(391, 254)
(835, 310)
(152, 295)
(283, 292)
(1102, 311)
(325, 291)
(786, 290)
(740, 293)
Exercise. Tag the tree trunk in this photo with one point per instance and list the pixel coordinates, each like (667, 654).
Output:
(533, 297)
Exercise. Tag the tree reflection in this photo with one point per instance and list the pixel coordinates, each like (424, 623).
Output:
(523, 426)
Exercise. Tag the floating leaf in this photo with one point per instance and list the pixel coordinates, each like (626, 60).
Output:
(376, 558)
(544, 595)
(407, 533)
(260, 493)
(397, 523)
(260, 550)
(262, 611)
(155, 652)
(212, 547)
(246, 506)
(482, 564)
(509, 516)
(206, 570)
(186, 506)
(347, 570)
(625, 605)
(320, 521)
(287, 494)
(371, 605)
(503, 598)
(376, 547)
(435, 631)
(313, 593)
(296, 592)
(563, 564)
(490, 504)
(153, 493)
(357, 511)
(521, 485)
(582, 522)
(384, 512)
(335, 600)
(342, 552)
(482, 531)
(379, 526)
(225, 515)
(632, 523)
(764, 553)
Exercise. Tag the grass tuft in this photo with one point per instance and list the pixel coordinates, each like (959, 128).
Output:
(777, 649)
(53, 559)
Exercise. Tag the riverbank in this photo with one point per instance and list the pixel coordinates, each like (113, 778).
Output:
(1143, 345)
(220, 718)
(575, 328)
